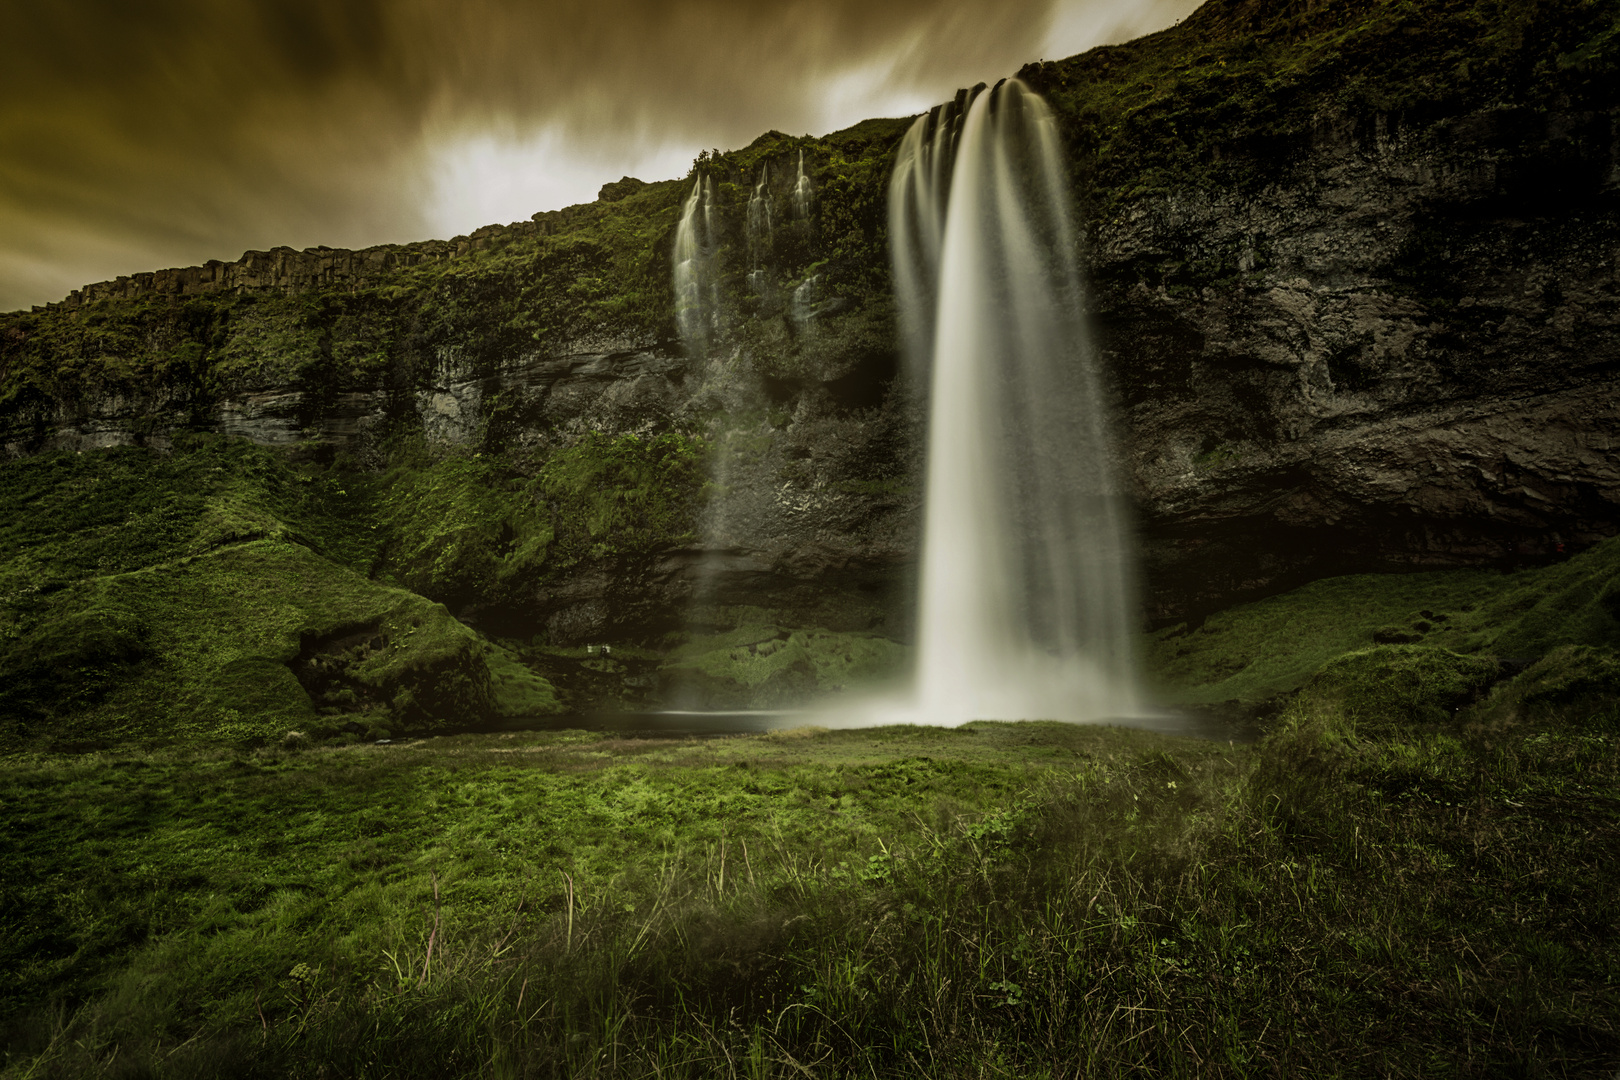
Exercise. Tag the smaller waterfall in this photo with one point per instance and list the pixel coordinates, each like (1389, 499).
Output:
(760, 238)
(697, 286)
(801, 192)
(804, 303)
(759, 219)
(710, 233)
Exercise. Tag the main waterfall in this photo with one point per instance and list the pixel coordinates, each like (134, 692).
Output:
(1027, 589)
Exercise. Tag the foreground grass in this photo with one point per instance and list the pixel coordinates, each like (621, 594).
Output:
(1344, 898)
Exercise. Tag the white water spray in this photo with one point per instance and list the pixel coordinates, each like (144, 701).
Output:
(1027, 590)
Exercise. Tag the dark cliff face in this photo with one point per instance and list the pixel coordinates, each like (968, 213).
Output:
(1405, 357)
(1354, 276)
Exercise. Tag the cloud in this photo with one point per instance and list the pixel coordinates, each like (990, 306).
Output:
(134, 136)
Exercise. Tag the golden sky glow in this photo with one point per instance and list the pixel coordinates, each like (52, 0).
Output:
(138, 135)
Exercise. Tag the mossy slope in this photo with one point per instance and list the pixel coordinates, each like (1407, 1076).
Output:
(216, 592)
(1256, 651)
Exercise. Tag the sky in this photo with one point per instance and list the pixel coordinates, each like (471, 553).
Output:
(141, 134)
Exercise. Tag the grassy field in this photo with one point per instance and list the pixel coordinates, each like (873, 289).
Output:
(1390, 883)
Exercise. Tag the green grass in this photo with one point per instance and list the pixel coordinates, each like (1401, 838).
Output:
(1346, 898)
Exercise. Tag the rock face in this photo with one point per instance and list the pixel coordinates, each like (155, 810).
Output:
(1401, 354)
(1397, 349)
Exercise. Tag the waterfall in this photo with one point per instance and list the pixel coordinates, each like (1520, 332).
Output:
(690, 315)
(697, 286)
(759, 233)
(759, 219)
(1027, 597)
(801, 191)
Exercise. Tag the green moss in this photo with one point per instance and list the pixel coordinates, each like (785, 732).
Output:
(1573, 603)
(224, 631)
(766, 666)
(519, 692)
(204, 594)
(469, 527)
(622, 495)
(462, 527)
(270, 344)
(1389, 687)
(1255, 651)
(1577, 684)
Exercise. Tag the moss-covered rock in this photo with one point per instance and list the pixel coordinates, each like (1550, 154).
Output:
(519, 692)
(1256, 651)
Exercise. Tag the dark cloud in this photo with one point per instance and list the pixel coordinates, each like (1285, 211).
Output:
(143, 133)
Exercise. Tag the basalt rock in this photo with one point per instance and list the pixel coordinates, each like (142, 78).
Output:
(1401, 354)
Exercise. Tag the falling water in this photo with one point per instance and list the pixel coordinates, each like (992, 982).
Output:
(697, 286)
(759, 234)
(1026, 594)
(688, 257)
(804, 303)
(759, 218)
(801, 191)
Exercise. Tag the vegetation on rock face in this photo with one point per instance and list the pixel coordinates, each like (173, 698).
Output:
(1219, 101)
(468, 527)
(1209, 104)
(622, 496)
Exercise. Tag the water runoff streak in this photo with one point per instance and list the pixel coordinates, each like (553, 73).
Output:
(1027, 588)
(696, 285)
